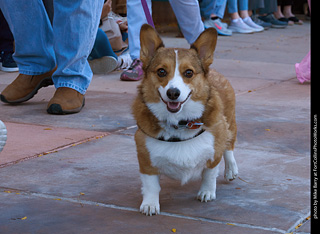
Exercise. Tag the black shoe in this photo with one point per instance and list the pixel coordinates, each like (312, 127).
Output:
(7, 62)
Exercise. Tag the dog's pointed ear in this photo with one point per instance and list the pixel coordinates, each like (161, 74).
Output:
(150, 42)
(205, 46)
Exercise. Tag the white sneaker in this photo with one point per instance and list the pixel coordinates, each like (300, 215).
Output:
(3, 135)
(126, 61)
(239, 26)
(256, 28)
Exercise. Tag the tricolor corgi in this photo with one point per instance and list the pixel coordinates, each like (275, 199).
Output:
(185, 113)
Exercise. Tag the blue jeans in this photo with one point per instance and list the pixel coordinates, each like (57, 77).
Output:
(40, 46)
(208, 7)
(102, 46)
(187, 13)
(233, 5)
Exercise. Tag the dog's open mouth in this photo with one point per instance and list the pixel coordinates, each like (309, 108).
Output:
(175, 107)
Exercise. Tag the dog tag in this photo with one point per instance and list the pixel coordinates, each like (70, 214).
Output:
(189, 124)
(194, 125)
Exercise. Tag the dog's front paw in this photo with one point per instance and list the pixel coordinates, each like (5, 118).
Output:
(206, 195)
(150, 208)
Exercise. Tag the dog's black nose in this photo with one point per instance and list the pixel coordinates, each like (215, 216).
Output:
(173, 93)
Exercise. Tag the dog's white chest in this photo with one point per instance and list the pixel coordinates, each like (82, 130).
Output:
(183, 160)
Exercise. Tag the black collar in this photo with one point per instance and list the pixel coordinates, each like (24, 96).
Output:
(177, 139)
(183, 124)
(186, 124)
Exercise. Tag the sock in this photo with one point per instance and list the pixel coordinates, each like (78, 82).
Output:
(120, 62)
(236, 20)
(246, 19)
(214, 17)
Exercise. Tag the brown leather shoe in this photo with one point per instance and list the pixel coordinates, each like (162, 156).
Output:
(24, 87)
(66, 101)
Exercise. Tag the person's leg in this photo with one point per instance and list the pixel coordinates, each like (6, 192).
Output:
(7, 64)
(206, 8)
(232, 7)
(213, 17)
(270, 6)
(75, 26)
(237, 25)
(287, 12)
(220, 8)
(243, 8)
(266, 14)
(188, 15)
(6, 37)
(136, 18)
(101, 47)
(255, 4)
(244, 14)
(243, 5)
(102, 59)
(34, 52)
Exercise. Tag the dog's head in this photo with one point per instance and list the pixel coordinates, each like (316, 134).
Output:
(175, 77)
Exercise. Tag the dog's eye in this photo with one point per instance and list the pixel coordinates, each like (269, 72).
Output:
(161, 72)
(188, 73)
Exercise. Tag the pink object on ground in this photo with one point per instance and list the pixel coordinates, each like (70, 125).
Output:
(303, 69)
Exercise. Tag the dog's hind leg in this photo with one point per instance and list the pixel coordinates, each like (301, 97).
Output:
(231, 168)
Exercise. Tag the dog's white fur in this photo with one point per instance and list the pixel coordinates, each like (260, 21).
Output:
(176, 82)
(231, 168)
(150, 191)
(184, 160)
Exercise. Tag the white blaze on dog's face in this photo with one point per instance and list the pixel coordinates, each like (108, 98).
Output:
(176, 92)
(175, 85)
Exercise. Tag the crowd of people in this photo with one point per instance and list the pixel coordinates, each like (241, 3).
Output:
(63, 42)
(247, 16)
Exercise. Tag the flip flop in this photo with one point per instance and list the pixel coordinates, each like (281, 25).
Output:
(295, 20)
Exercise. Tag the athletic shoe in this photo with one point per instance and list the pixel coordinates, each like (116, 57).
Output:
(256, 20)
(103, 65)
(256, 28)
(7, 64)
(217, 24)
(239, 26)
(274, 22)
(134, 72)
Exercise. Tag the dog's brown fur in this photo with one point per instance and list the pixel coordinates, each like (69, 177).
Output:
(209, 87)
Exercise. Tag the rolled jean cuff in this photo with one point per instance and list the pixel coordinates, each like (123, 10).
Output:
(72, 86)
(33, 73)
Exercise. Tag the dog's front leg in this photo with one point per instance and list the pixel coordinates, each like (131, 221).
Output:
(150, 190)
(207, 190)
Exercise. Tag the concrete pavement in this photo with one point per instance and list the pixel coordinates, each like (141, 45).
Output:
(79, 173)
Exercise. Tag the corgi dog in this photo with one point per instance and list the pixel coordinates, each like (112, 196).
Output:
(185, 113)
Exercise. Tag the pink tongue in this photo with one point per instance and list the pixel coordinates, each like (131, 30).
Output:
(173, 105)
